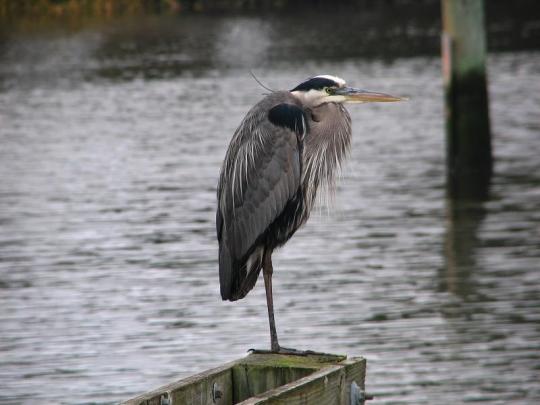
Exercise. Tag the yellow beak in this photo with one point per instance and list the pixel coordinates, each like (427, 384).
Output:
(353, 95)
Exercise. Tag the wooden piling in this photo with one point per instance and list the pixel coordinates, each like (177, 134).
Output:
(314, 379)
(468, 138)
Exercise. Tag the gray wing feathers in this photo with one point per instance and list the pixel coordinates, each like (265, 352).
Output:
(260, 175)
(266, 191)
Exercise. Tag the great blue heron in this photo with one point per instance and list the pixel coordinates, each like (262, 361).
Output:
(288, 145)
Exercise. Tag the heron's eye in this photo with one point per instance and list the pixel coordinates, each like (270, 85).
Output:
(328, 90)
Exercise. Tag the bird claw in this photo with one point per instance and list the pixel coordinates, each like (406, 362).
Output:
(289, 351)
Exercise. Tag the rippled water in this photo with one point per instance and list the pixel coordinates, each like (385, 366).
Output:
(108, 270)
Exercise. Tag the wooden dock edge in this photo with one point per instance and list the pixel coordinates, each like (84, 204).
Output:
(266, 379)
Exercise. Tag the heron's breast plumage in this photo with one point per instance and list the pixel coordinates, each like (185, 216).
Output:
(325, 147)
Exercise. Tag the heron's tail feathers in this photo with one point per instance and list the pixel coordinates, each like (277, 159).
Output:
(237, 279)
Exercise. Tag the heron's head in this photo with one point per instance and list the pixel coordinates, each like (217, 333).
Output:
(331, 89)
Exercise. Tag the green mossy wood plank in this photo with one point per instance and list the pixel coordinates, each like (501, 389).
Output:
(315, 360)
(259, 373)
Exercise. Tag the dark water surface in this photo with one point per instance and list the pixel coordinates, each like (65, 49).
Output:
(111, 140)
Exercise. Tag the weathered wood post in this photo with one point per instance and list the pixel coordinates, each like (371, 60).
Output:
(468, 138)
(314, 379)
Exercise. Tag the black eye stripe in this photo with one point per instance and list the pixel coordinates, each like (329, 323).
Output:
(315, 83)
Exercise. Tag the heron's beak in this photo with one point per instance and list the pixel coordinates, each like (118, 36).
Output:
(353, 95)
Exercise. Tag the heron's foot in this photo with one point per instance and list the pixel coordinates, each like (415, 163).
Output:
(289, 351)
(294, 352)
(281, 350)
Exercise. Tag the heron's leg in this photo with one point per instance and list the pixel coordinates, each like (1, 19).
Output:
(267, 274)
(274, 345)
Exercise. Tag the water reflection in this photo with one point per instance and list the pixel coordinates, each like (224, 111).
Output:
(463, 221)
